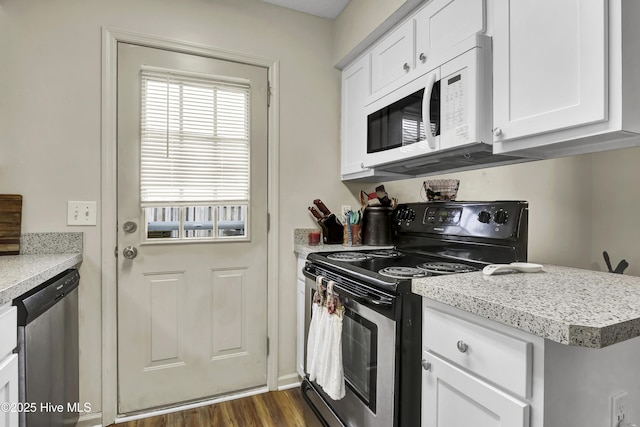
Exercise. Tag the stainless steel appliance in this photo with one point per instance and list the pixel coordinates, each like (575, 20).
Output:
(48, 352)
(381, 335)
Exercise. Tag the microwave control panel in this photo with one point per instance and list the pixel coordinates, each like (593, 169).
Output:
(454, 104)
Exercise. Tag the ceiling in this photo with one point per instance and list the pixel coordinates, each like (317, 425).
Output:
(323, 8)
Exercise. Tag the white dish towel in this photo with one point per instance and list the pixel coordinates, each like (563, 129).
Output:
(324, 345)
(315, 339)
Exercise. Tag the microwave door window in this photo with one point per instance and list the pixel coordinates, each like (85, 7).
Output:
(397, 124)
(412, 125)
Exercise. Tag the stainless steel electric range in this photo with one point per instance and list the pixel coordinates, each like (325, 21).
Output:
(381, 336)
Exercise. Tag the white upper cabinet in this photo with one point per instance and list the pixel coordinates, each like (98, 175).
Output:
(442, 24)
(355, 90)
(392, 58)
(562, 76)
(549, 68)
(417, 44)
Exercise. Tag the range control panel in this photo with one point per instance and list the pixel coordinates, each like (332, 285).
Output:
(494, 220)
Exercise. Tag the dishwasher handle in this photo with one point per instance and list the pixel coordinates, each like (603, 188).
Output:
(32, 304)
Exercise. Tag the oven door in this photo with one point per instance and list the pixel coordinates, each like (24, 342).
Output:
(369, 361)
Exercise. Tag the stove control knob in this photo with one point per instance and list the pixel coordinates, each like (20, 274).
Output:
(501, 217)
(484, 217)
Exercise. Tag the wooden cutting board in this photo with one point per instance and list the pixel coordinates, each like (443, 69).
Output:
(10, 223)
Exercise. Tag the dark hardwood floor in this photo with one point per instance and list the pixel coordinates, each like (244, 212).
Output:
(273, 409)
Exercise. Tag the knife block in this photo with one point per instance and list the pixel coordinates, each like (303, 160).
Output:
(331, 230)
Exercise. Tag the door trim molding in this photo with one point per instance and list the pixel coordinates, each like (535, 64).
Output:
(110, 38)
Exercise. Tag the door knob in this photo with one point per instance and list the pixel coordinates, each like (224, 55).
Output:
(462, 346)
(406, 66)
(426, 365)
(497, 132)
(129, 227)
(130, 252)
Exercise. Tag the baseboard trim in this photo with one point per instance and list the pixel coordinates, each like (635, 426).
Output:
(247, 393)
(93, 419)
(288, 381)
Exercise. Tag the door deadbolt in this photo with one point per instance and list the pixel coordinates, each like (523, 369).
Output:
(130, 252)
(129, 227)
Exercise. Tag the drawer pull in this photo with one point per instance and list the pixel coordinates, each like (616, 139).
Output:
(462, 346)
(426, 365)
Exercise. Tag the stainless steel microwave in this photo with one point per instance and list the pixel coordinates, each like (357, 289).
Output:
(446, 107)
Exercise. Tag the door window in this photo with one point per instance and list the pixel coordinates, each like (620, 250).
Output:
(194, 157)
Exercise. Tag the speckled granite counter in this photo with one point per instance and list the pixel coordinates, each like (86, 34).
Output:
(302, 248)
(567, 305)
(43, 255)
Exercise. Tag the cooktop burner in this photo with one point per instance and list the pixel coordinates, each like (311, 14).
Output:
(347, 256)
(402, 272)
(446, 268)
(385, 253)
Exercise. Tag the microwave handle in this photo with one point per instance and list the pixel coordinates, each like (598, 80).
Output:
(426, 111)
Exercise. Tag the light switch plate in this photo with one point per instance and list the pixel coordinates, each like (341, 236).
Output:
(81, 213)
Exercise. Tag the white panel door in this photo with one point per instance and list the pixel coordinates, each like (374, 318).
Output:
(550, 68)
(192, 303)
(451, 397)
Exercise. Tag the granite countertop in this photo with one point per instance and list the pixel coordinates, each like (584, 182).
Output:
(566, 305)
(302, 248)
(305, 249)
(43, 256)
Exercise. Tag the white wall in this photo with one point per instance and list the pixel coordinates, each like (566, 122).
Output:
(358, 20)
(50, 115)
(559, 196)
(616, 207)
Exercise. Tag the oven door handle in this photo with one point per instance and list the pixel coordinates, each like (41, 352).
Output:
(383, 302)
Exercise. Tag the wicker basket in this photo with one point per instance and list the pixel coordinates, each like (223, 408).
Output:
(442, 189)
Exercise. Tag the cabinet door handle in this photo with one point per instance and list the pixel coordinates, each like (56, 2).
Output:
(426, 365)
(462, 346)
(406, 66)
(497, 132)
(422, 57)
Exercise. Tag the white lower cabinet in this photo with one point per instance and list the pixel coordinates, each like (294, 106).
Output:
(300, 344)
(454, 397)
(473, 375)
(8, 367)
(481, 373)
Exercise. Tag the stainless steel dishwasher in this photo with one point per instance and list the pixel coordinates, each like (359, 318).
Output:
(48, 352)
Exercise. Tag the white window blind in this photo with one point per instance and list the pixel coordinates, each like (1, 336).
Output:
(194, 139)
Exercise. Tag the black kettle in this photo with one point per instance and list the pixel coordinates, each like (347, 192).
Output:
(376, 226)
